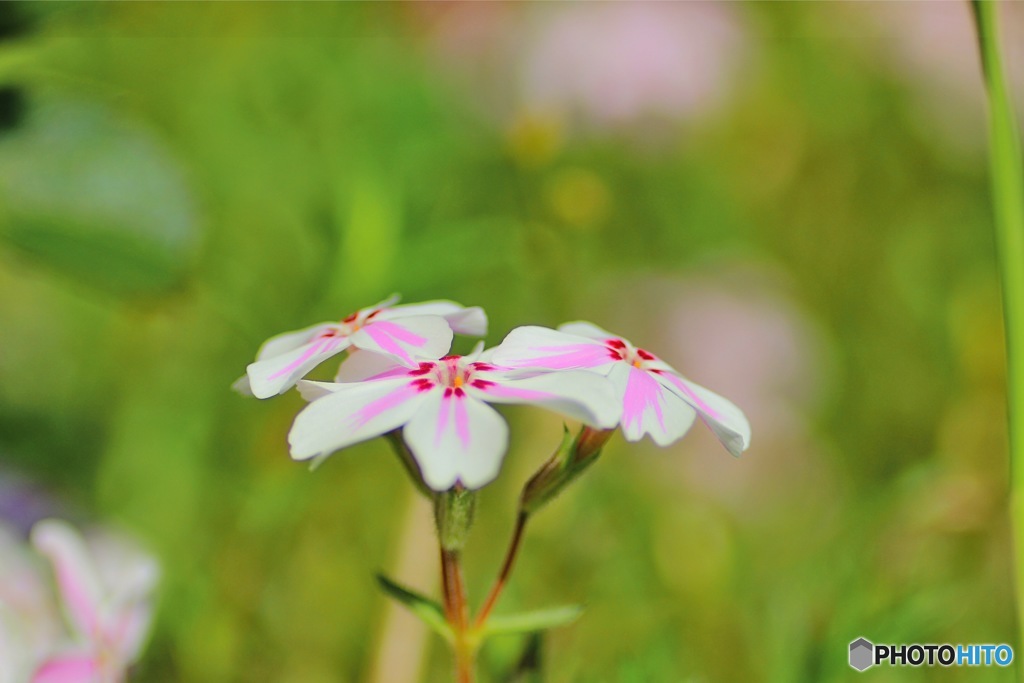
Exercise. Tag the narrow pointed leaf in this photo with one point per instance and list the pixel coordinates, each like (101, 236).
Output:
(529, 622)
(529, 669)
(429, 611)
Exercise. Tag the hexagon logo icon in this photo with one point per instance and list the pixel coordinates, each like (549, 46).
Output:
(861, 654)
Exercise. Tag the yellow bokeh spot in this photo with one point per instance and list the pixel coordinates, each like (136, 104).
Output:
(579, 198)
(535, 139)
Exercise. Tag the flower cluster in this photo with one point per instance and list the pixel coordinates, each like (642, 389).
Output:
(397, 376)
(104, 592)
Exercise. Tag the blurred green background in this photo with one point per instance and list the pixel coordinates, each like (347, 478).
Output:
(787, 201)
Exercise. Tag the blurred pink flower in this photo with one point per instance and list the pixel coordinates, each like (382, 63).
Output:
(105, 586)
(616, 63)
(609, 64)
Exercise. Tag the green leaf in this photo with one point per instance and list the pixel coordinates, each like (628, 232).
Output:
(529, 622)
(97, 197)
(428, 610)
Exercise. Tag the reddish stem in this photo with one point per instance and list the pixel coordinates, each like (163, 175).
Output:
(456, 610)
(506, 569)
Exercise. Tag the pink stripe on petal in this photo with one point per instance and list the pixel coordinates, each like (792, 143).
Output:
(566, 357)
(297, 363)
(402, 334)
(385, 403)
(698, 403)
(388, 334)
(461, 419)
(77, 598)
(69, 669)
(642, 392)
(400, 371)
(443, 416)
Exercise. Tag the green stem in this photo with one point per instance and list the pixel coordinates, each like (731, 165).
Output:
(569, 460)
(453, 514)
(1008, 209)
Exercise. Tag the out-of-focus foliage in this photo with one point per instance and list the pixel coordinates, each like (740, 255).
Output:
(786, 201)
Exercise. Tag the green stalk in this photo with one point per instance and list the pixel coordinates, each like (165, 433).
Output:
(1008, 210)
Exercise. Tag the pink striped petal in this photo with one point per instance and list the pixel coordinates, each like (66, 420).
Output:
(366, 366)
(584, 396)
(80, 589)
(289, 341)
(581, 328)
(467, 321)
(727, 421)
(346, 414)
(457, 438)
(407, 339)
(276, 374)
(540, 347)
(647, 408)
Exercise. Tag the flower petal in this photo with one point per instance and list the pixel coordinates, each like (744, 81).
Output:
(532, 346)
(77, 579)
(69, 668)
(289, 341)
(647, 408)
(241, 385)
(581, 328)
(14, 651)
(363, 366)
(727, 421)
(345, 414)
(456, 437)
(470, 321)
(129, 631)
(381, 306)
(129, 576)
(276, 374)
(580, 395)
(406, 339)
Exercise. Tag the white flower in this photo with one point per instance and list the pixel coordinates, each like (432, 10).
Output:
(653, 398)
(400, 332)
(442, 405)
